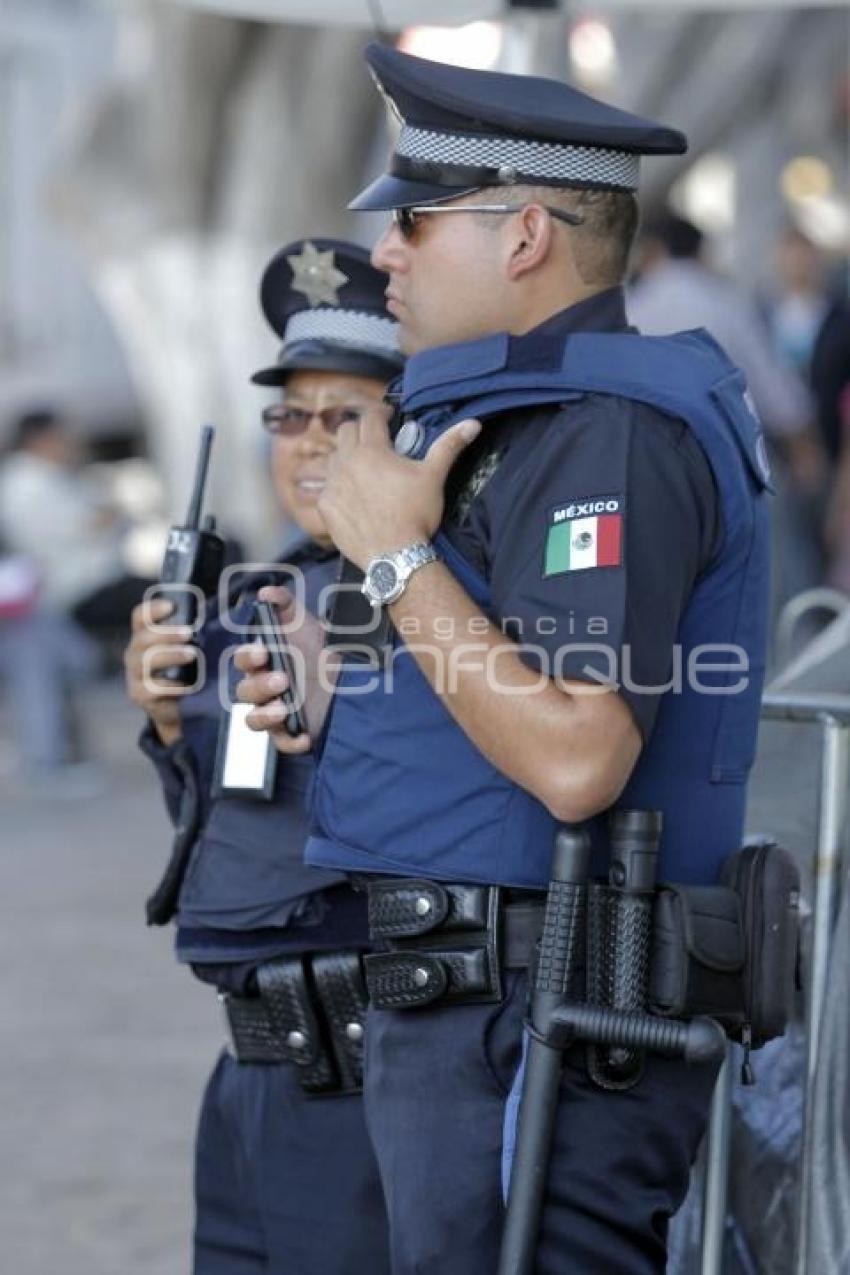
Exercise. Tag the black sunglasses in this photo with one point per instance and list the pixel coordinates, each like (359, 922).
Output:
(406, 218)
(283, 419)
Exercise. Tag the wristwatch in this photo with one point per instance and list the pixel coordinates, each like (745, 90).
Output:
(386, 576)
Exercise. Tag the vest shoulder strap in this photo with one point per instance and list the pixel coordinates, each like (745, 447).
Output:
(686, 375)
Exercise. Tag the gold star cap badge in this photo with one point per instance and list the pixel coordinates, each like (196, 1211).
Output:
(315, 274)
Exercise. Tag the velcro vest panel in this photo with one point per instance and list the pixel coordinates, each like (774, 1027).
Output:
(400, 788)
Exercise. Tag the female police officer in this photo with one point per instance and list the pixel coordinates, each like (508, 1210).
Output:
(285, 1179)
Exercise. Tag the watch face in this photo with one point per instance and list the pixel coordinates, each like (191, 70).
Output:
(383, 578)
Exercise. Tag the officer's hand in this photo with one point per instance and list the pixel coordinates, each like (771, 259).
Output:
(374, 500)
(315, 670)
(149, 650)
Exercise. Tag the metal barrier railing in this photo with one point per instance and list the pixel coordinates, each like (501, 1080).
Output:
(809, 602)
(832, 712)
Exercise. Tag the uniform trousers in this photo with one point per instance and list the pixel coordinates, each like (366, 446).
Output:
(284, 1184)
(437, 1082)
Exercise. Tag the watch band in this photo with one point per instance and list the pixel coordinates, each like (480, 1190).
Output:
(419, 554)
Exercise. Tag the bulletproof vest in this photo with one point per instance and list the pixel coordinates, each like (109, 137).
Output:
(400, 789)
(246, 868)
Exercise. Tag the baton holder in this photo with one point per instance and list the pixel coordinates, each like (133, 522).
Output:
(624, 912)
(559, 1020)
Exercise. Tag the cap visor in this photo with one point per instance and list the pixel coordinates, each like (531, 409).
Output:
(270, 376)
(318, 356)
(398, 192)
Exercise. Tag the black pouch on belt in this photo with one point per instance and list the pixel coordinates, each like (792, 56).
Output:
(310, 1011)
(341, 991)
(698, 954)
(766, 879)
(730, 950)
(442, 943)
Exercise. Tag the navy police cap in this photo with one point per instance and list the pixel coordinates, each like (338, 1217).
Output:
(326, 302)
(463, 129)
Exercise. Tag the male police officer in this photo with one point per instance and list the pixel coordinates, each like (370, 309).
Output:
(286, 1180)
(609, 515)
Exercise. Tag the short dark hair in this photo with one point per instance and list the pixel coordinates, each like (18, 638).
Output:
(603, 241)
(33, 424)
(679, 237)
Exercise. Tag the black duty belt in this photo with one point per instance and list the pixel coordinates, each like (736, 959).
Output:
(446, 943)
(309, 1010)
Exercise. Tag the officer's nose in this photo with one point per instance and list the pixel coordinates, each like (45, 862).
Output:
(315, 439)
(389, 252)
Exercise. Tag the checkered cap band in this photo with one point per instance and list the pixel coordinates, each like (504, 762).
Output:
(349, 327)
(582, 165)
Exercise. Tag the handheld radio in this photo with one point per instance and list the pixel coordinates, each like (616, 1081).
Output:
(194, 555)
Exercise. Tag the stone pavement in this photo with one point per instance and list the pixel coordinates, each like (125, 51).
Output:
(105, 1042)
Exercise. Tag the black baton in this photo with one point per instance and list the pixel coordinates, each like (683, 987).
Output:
(560, 961)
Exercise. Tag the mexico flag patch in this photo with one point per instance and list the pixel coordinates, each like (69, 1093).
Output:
(583, 534)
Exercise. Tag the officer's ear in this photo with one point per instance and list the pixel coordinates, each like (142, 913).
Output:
(530, 240)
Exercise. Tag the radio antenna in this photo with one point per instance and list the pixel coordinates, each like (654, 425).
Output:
(193, 518)
(379, 21)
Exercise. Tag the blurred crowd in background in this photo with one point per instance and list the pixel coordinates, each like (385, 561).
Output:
(85, 499)
(66, 590)
(792, 340)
